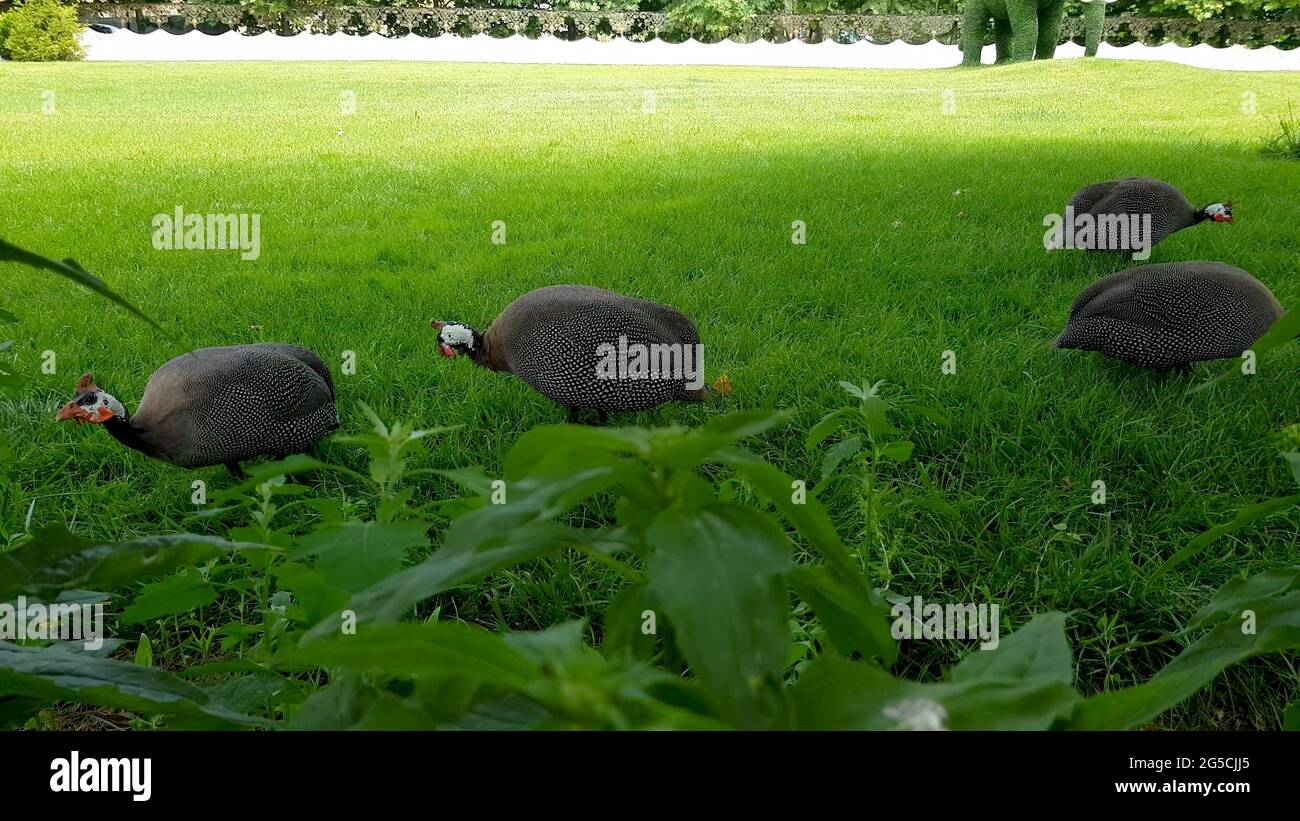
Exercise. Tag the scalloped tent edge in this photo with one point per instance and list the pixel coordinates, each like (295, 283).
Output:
(637, 26)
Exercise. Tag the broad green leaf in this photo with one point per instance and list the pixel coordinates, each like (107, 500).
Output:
(854, 617)
(513, 712)
(243, 693)
(899, 451)
(71, 270)
(555, 646)
(841, 450)
(812, 522)
(1276, 625)
(718, 574)
(809, 518)
(480, 542)
(582, 690)
(875, 414)
(544, 439)
(267, 471)
(1293, 459)
(623, 623)
(58, 560)
(1246, 516)
(834, 694)
(686, 450)
(51, 676)
(853, 390)
(829, 423)
(1236, 594)
(350, 703)
(438, 649)
(144, 651)
(14, 712)
(311, 592)
(474, 479)
(447, 700)
(360, 554)
(107, 647)
(1040, 649)
(175, 594)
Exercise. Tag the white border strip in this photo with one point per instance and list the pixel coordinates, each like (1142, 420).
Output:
(481, 48)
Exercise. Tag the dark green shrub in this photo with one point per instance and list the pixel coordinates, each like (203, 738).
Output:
(40, 31)
(713, 19)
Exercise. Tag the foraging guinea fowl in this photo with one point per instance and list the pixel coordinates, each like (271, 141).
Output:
(1171, 315)
(220, 406)
(1169, 209)
(563, 339)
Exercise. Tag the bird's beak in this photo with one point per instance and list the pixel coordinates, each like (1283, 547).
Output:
(447, 351)
(70, 411)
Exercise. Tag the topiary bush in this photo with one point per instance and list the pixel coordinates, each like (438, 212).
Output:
(40, 31)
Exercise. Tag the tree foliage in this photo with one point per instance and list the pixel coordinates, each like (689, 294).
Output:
(40, 31)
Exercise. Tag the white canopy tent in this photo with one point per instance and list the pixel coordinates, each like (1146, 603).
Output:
(194, 45)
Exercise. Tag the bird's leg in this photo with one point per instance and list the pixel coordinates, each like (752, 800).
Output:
(236, 470)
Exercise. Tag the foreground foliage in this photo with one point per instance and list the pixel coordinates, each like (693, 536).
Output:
(699, 635)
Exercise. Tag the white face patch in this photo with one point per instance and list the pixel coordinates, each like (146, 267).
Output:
(1216, 210)
(105, 400)
(453, 335)
(112, 404)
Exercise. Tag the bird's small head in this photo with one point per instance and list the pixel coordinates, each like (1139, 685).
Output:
(1220, 211)
(456, 338)
(90, 404)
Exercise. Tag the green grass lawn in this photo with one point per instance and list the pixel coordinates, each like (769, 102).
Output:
(924, 235)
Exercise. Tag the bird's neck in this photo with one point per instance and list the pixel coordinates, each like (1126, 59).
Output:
(1201, 215)
(121, 429)
(485, 354)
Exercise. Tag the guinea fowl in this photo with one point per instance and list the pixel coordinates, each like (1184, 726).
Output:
(1170, 211)
(220, 406)
(1171, 315)
(588, 349)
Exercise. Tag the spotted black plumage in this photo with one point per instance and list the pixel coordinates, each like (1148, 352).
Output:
(1170, 211)
(551, 338)
(1172, 314)
(225, 405)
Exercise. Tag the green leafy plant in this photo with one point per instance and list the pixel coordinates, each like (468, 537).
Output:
(704, 633)
(40, 30)
(867, 440)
